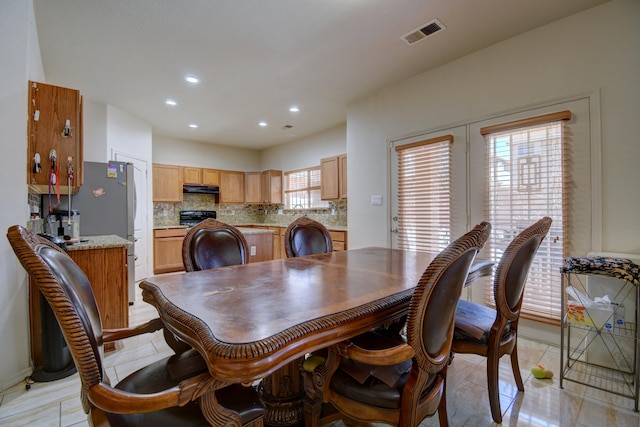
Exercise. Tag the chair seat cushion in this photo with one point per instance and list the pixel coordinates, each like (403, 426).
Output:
(372, 391)
(167, 373)
(474, 321)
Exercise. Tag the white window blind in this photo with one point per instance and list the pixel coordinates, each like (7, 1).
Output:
(302, 189)
(526, 180)
(424, 194)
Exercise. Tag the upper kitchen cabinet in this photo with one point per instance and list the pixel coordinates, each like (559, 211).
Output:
(231, 187)
(272, 186)
(253, 187)
(201, 176)
(167, 183)
(334, 178)
(210, 177)
(192, 175)
(55, 151)
(263, 187)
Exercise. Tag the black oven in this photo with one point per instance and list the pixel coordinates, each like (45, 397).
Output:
(191, 218)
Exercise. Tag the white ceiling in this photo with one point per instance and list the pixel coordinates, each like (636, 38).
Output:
(256, 58)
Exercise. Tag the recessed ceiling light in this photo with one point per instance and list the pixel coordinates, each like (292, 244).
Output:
(171, 102)
(294, 109)
(192, 79)
(193, 125)
(263, 124)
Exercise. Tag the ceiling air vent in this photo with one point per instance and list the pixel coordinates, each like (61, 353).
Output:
(423, 32)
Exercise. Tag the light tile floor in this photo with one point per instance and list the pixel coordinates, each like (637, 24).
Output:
(57, 403)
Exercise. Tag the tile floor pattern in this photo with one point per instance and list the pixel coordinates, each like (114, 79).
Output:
(57, 403)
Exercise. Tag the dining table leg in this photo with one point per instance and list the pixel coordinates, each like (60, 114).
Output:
(216, 414)
(283, 396)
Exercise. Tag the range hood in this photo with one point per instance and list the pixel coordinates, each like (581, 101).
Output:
(201, 189)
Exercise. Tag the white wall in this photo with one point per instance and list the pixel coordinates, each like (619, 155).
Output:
(306, 152)
(199, 154)
(21, 62)
(127, 134)
(596, 50)
(94, 131)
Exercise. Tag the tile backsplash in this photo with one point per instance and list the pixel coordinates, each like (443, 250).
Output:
(168, 214)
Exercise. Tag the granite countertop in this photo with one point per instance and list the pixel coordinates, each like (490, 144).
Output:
(98, 242)
(243, 230)
(244, 227)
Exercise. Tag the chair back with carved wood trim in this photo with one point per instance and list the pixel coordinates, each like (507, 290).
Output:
(212, 244)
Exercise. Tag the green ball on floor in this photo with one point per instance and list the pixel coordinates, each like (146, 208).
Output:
(541, 373)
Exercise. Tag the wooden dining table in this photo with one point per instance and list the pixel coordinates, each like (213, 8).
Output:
(258, 321)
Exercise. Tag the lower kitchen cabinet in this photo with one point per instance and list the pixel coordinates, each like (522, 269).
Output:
(339, 240)
(167, 250)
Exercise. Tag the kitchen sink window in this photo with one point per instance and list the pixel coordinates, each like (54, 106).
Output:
(302, 189)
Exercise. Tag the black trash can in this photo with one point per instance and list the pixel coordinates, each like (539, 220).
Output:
(57, 362)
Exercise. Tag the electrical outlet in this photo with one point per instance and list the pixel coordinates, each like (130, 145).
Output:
(253, 251)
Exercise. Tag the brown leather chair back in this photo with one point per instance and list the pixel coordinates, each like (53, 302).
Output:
(68, 292)
(212, 244)
(431, 317)
(513, 268)
(305, 236)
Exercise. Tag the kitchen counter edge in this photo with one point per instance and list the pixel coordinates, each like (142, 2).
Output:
(98, 242)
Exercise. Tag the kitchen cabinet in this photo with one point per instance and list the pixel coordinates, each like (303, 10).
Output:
(167, 250)
(167, 183)
(231, 187)
(54, 125)
(253, 187)
(333, 172)
(201, 176)
(272, 186)
(210, 177)
(338, 240)
(192, 175)
(167, 247)
(263, 187)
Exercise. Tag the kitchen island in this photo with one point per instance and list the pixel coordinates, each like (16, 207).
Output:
(167, 246)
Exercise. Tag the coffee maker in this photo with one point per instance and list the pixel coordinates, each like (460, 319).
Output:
(64, 223)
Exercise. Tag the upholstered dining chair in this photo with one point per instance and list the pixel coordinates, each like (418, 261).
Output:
(305, 236)
(165, 392)
(375, 378)
(212, 244)
(492, 333)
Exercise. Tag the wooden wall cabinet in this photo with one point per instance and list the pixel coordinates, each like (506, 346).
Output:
(201, 176)
(167, 250)
(192, 175)
(49, 109)
(253, 187)
(167, 183)
(231, 187)
(334, 178)
(272, 186)
(210, 177)
(263, 187)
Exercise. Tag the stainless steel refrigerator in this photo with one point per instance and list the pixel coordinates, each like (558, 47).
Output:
(111, 212)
